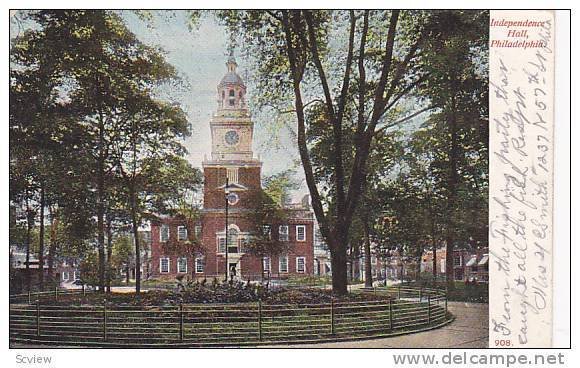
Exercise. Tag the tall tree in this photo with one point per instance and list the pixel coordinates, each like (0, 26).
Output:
(107, 79)
(456, 134)
(375, 67)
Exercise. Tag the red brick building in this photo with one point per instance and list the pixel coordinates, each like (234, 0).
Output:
(232, 164)
(467, 265)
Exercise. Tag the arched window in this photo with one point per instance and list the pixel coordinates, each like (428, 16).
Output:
(233, 240)
(232, 93)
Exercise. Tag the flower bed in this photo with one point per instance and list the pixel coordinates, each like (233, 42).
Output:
(235, 292)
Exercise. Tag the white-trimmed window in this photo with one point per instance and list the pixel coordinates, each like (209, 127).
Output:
(457, 261)
(232, 173)
(267, 264)
(301, 264)
(199, 265)
(233, 240)
(283, 264)
(164, 265)
(221, 244)
(267, 231)
(181, 233)
(65, 275)
(197, 231)
(283, 232)
(244, 244)
(77, 275)
(182, 265)
(164, 233)
(301, 233)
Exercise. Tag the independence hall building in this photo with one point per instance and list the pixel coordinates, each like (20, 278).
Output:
(233, 175)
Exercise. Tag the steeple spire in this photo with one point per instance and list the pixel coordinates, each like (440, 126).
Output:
(231, 63)
(231, 89)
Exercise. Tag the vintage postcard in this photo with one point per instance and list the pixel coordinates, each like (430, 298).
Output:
(286, 178)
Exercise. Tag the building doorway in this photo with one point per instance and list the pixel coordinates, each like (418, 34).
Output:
(234, 270)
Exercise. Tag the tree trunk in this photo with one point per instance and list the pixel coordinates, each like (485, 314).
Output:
(452, 190)
(52, 246)
(434, 248)
(261, 268)
(135, 225)
(339, 265)
(41, 239)
(368, 263)
(109, 254)
(148, 271)
(29, 224)
(101, 205)
(449, 272)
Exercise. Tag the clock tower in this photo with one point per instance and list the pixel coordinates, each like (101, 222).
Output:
(232, 162)
(227, 221)
(231, 126)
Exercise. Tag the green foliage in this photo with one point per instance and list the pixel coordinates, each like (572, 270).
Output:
(280, 186)
(123, 252)
(87, 127)
(264, 218)
(89, 267)
(349, 77)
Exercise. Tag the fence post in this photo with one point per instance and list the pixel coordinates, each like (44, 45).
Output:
(420, 295)
(445, 305)
(332, 315)
(37, 317)
(55, 293)
(260, 319)
(84, 290)
(399, 296)
(105, 319)
(428, 309)
(180, 321)
(391, 314)
(29, 298)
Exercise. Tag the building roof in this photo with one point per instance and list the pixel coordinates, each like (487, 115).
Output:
(484, 260)
(471, 261)
(232, 78)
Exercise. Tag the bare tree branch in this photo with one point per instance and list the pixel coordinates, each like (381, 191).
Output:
(362, 78)
(406, 118)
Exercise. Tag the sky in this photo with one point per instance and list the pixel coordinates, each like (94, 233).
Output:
(199, 57)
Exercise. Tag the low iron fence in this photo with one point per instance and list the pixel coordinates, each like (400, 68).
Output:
(404, 310)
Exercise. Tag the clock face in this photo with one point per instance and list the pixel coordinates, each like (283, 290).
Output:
(233, 198)
(232, 137)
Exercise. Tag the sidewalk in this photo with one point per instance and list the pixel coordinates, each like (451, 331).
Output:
(469, 330)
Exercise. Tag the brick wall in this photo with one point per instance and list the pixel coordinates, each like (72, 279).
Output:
(215, 178)
(214, 263)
